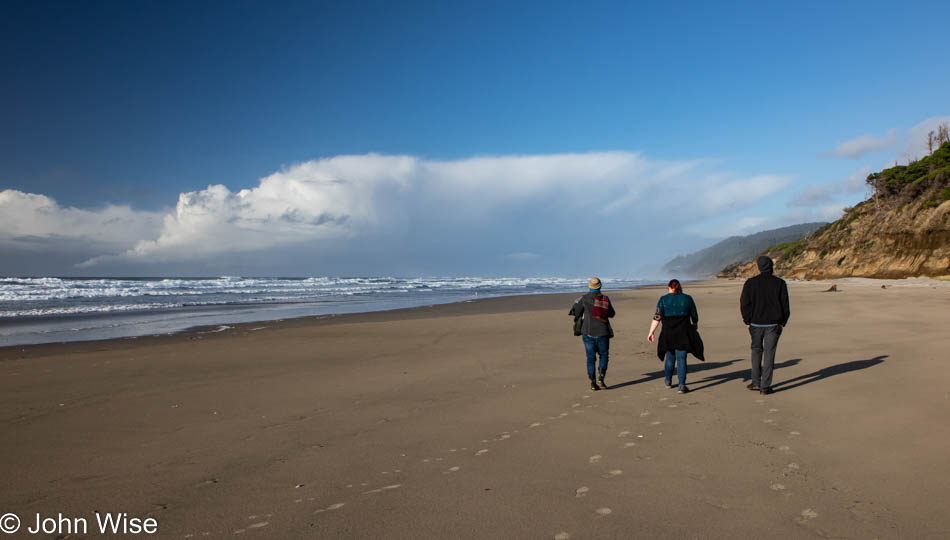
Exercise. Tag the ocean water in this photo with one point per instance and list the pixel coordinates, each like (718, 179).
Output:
(56, 309)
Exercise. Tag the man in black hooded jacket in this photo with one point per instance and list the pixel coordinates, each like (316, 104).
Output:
(764, 307)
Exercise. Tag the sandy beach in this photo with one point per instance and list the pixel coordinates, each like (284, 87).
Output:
(475, 420)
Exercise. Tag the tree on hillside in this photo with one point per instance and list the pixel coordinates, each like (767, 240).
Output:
(931, 138)
(942, 134)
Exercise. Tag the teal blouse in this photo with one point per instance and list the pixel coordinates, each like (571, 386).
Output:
(676, 305)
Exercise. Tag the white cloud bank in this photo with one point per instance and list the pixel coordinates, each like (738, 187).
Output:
(348, 197)
(31, 221)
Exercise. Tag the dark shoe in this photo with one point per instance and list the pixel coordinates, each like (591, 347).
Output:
(602, 383)
(593, 385)
(752, 386)
(765, 391)
(683, 390)
(669, 385)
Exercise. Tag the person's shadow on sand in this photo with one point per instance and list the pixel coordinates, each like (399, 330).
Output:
(826, 372)
(744, 374)
(693, 368)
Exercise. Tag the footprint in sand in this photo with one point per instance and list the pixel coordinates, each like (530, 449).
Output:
(807, 515)
(784, 448)
(645, 413)
(673, 406)
(581, 491)
(655, 423)
(330, 508)
(601, 512)
(382, 489)
(773, 410)
(452, 470)
(613, 473)
(562, 536)
(258, 525)
(481, 452)
(623, 434)
(595, 459)
(576, 405)
(794, 433)
(778, 487)
(629, 444)
(768, 421)
(536, 424)
(792, 467)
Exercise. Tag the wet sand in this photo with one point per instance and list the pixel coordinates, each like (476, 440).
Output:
(474, 420)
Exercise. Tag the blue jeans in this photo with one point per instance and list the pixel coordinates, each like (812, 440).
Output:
(593, 346)
(680, 360)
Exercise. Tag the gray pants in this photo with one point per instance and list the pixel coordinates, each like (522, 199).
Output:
(764, 342)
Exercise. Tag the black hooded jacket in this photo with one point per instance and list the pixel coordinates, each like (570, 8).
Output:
(764, 297)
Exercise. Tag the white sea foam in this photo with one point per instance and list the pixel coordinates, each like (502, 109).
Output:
(17, 290)
(168, 304)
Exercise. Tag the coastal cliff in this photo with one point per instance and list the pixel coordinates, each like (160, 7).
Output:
(902, 231)
(707, 262)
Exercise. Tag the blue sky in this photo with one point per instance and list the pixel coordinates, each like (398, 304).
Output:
(484, 138)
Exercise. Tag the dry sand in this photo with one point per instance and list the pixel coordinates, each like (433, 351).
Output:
(474, 420)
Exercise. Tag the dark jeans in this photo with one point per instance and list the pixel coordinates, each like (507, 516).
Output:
(679, 358)
(764, 342)
(595, 345)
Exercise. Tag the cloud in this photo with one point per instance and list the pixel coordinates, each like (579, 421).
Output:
(335, 197)
(815, 195)
(508, 203)
(915, 141)
(827, 193)
(753, 224)
(35, 223)
(911, 144)
(865, 144)
(736, 194)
